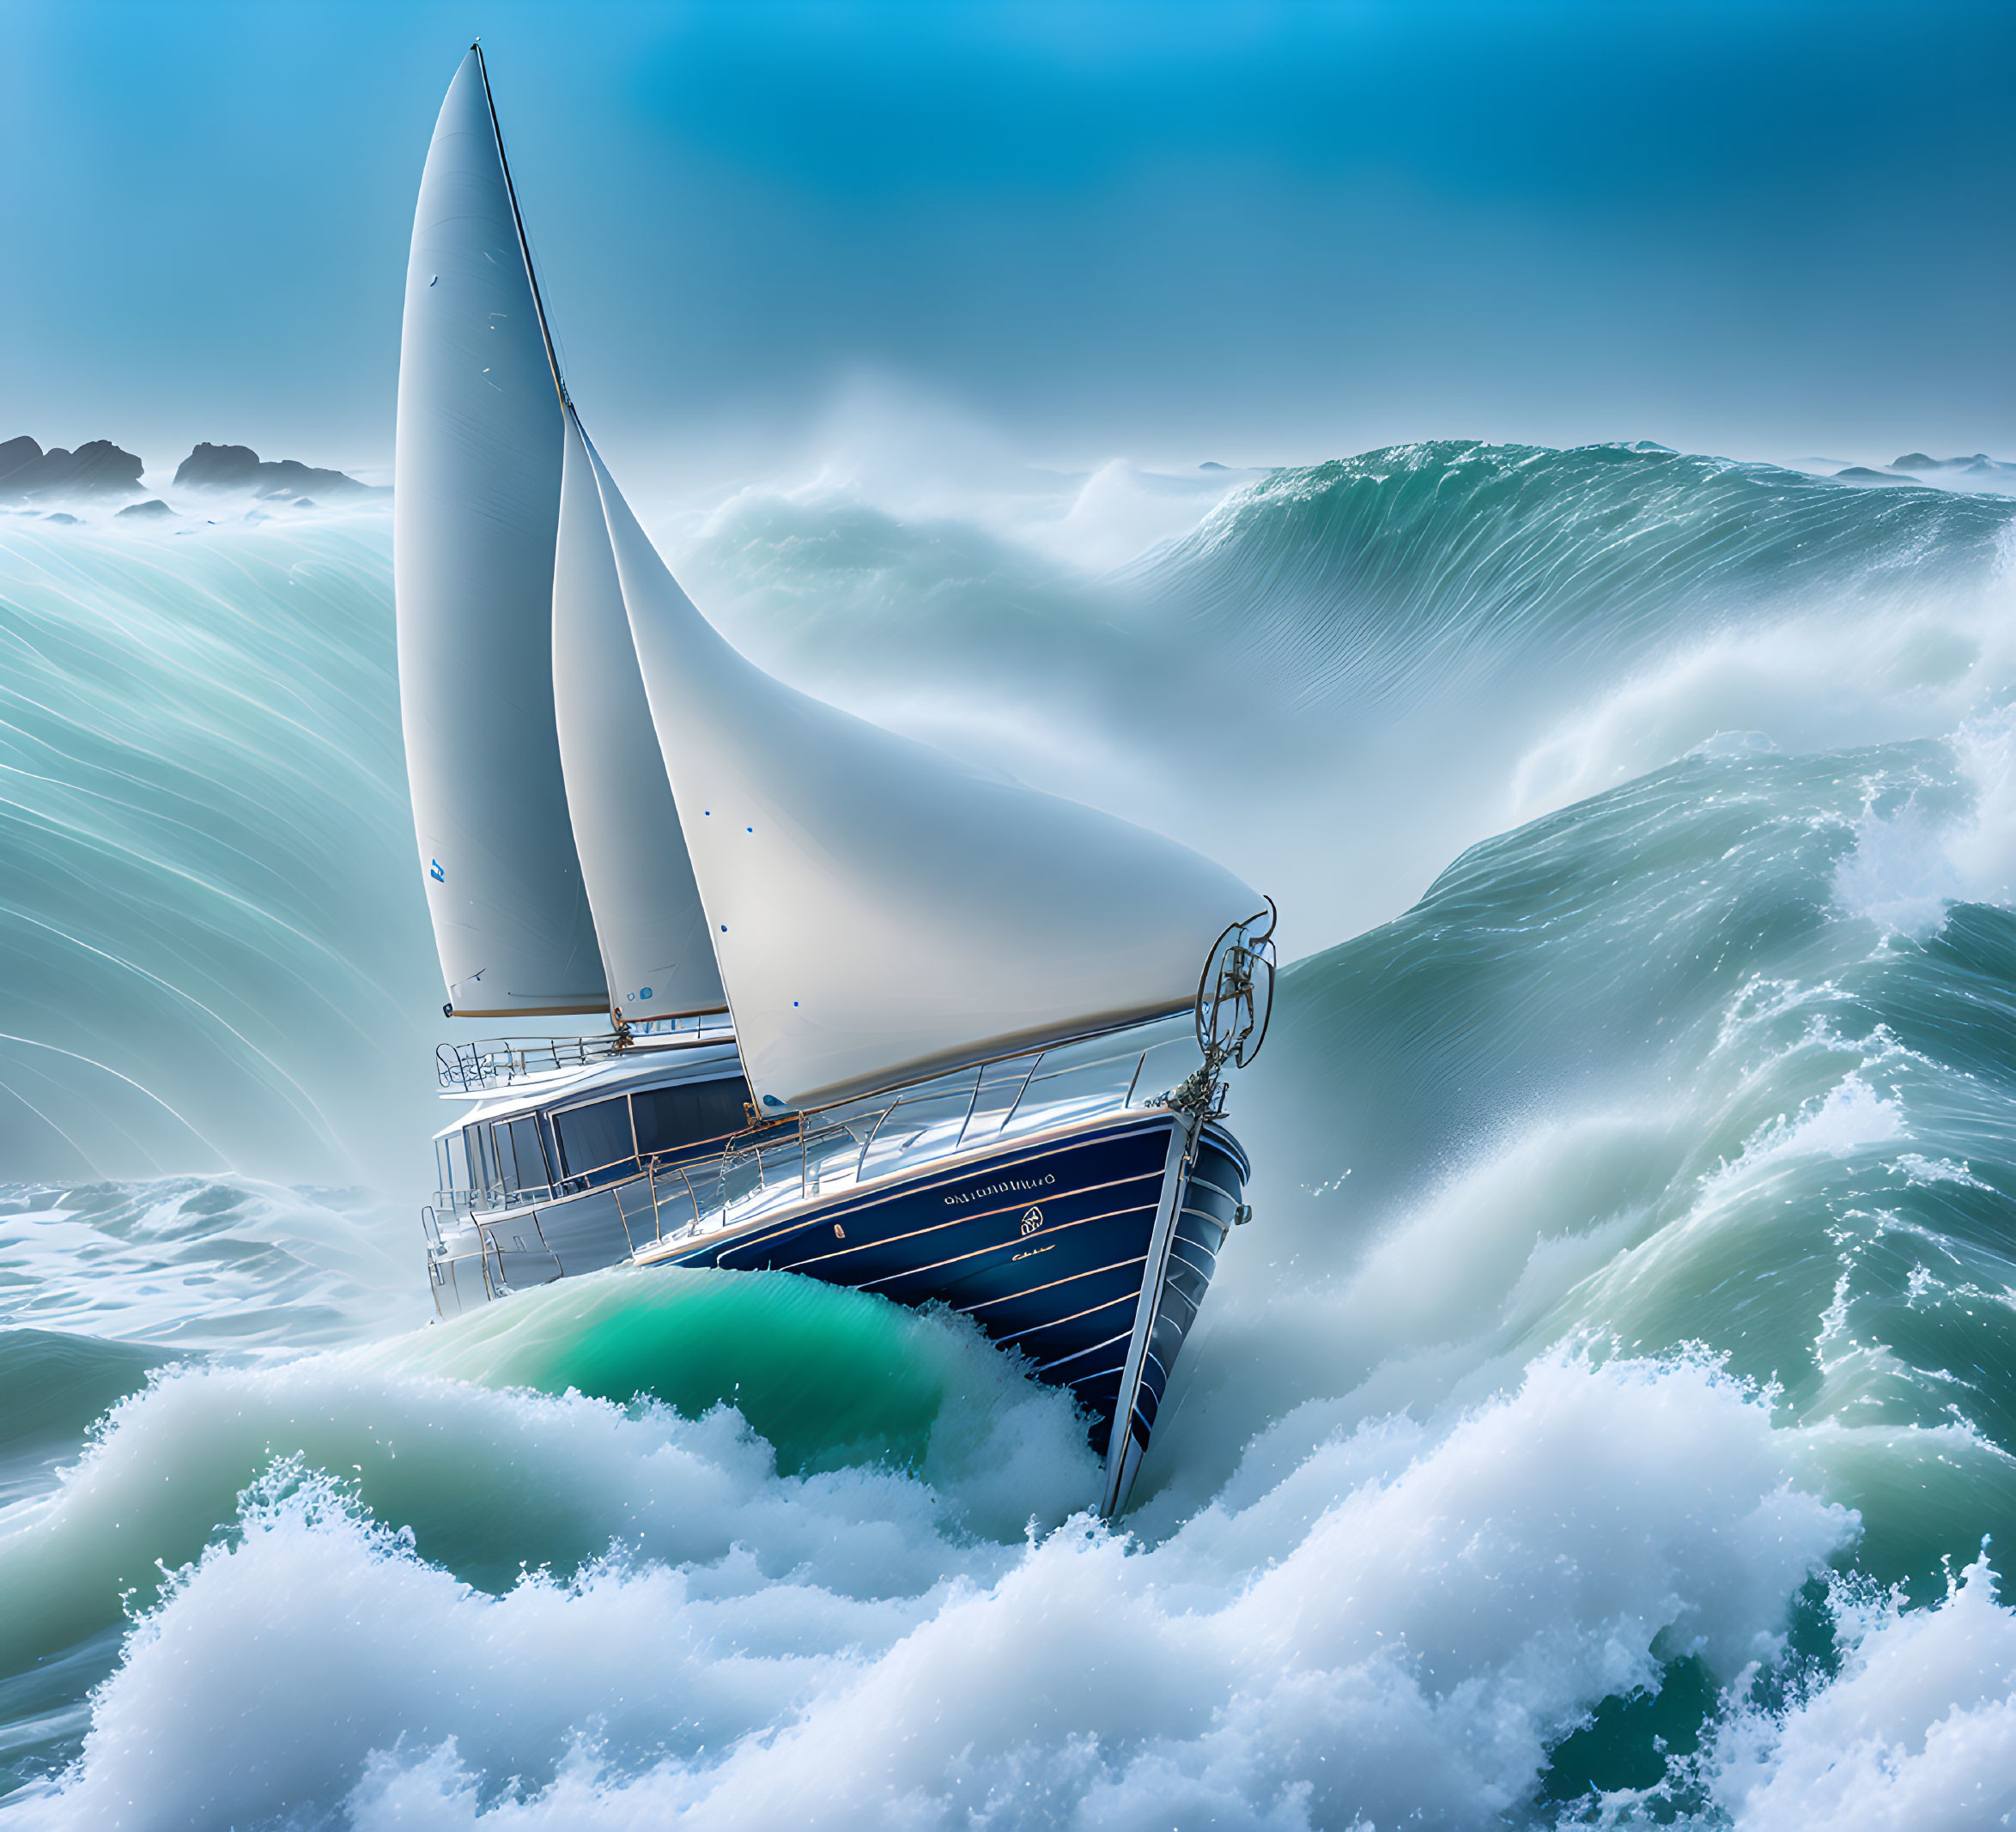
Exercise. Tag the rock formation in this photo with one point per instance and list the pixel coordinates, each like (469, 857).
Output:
(97, 468)
(239, 468)
(1976, 465)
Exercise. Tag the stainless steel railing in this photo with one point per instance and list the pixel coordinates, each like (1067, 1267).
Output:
(498, 1062)
(831, 1148)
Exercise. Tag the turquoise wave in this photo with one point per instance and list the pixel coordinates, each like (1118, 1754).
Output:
(1383, 579)
(211, 952)
(1648, 1074)
(1625, 1309)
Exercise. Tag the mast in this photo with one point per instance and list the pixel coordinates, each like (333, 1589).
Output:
(656, 959)
(476, 508)
(524, 248)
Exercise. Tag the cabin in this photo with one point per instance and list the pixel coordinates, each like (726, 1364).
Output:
(590, 1132)
(578, 1154)
(556, 1169)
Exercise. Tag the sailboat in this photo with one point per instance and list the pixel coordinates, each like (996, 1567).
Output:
(874, 1017)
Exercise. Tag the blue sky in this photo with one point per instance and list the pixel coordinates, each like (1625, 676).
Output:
(1253, 233)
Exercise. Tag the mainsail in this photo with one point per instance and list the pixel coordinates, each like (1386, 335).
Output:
(653, 932)
(617, 810)
(879, 910)
(475, 510)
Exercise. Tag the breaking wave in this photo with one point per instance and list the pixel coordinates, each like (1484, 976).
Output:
(1602, 1420)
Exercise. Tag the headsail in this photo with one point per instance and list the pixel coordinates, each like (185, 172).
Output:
(878, 909)
(476, 509)
(655, 950)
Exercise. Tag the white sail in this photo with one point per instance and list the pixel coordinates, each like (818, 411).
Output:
(879, 910)
(476, 506)
(655, 951)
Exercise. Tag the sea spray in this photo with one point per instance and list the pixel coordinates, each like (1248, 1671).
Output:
(1613, 1391)
(1345, 677)
(490, 1477)
(1350, 672)
(826, 1376)
(214, 956)
(1406, 1622)
(1917, 1729)
(1649, 1083)
(206, 1261)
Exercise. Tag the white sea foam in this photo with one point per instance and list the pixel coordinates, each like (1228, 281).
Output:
(1900, 873)
(926, 459)
(1917, 1733)
(1815, 680)
(498, 1478)
(1401, 1627)
(1922, 1169)
(1910, 865)
(1849, 1118)
(205, 1261)
(1984, 847)
(1369, 1604)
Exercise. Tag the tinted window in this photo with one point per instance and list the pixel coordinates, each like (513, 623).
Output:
(590, 1136)
(531, 1159)
(501, 1144)
(518, 1156)
(668, 1118)
(482, 1165)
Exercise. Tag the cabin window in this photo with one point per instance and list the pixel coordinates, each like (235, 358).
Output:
(531, 1161)
(593, 1138)
(507, 1166)
(520, 1163)
(668, 1118)
(455, 1162)
(483, 1159)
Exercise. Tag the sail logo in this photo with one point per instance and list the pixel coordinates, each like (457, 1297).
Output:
(1030, 1221)
(434, 871)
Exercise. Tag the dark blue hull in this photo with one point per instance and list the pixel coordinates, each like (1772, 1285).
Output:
(1048, 1248)
(1088, 1251)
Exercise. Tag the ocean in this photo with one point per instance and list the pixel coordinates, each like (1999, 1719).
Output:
(1608, 1419)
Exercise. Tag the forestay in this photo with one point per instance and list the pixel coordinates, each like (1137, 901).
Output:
(879, 910)
(475, 510)
(655, 951)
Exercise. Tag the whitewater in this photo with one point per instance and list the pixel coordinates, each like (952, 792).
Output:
(1608, 1419)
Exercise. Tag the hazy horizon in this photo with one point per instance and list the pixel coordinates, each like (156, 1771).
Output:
(1255, 235)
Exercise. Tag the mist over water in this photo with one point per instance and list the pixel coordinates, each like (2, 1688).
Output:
(213, 957)
(1607, 1418)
